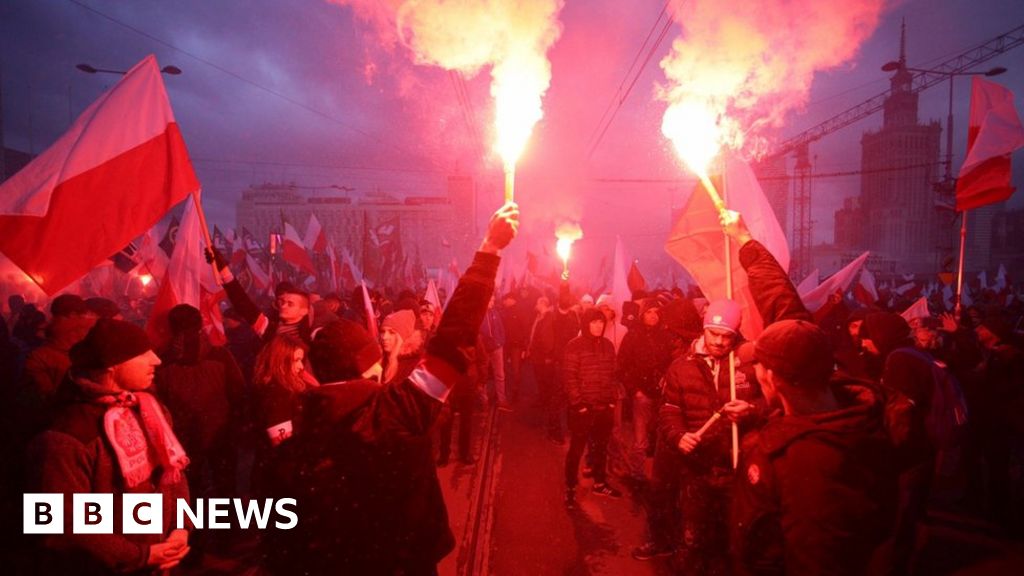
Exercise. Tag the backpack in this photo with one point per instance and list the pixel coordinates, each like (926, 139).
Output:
(945, 423)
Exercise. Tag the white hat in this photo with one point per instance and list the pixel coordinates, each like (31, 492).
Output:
(606, 300)
(587, 299)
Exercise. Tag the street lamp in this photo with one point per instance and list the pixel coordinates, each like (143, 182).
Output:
(169, 70)
(947, 184)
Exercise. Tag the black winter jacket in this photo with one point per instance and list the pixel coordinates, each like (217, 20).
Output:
(814, 493)
(588, 370)
(692, 395)
(360, 463)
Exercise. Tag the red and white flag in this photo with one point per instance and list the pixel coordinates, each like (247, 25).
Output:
(994, 132)
(698, 243)
(837, 282)
(809, 283)
(919, 309)
(189, 280)
(371, 316)
(316, 238)
(294, 250)
(865, 291)
(260, 277)
(119, 168)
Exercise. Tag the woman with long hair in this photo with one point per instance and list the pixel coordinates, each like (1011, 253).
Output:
(278, 379)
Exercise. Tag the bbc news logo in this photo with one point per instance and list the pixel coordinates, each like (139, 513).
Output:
(144, 513)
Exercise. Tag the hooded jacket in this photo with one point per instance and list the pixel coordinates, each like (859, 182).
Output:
(360, 463)
(814, 493)
(806, 483)
(588, 369)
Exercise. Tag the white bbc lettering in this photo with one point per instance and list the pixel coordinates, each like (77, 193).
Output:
(219, 509)
(142, 514)
(92, 514)
(253, 509)
(43, 514)
(279, 507)
(195, 517)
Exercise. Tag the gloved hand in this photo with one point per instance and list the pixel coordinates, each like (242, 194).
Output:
(214, 255)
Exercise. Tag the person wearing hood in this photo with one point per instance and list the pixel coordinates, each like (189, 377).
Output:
(814, 488)
(203, 389)
(93, 446)
(697, 385)
(592, 394)
(849, 352)
(368, 498)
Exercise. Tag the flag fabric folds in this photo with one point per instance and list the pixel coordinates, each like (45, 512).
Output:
(698, 243)
(294, 250)
(119, 168)
(994, 132)
(189, 280)
(919, 309)
(635, 279)
(865, 291)
(837, 282)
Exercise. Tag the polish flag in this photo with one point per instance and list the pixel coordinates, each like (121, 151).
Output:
(119, 168)
(260, 277)
(295, 250)
(316, 238)
(809, 283)
(371, 316)
(865, 291)
(837, 282)
(697, 241)
(994, 132)
(189, 280)
(919, 309)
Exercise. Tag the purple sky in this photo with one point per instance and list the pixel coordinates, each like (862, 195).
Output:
(279, 91)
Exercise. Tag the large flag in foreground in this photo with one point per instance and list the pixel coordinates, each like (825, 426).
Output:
(993, 133)
(189, 280)
(119, 168)
(697, 241)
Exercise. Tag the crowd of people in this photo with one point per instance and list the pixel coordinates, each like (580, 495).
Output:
(812, 449)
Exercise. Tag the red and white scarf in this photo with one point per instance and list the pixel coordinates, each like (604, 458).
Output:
(141, 448)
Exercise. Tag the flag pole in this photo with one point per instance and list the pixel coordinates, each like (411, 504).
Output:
(729, 295)
(206, 234)
(719, 203)
(960, 266)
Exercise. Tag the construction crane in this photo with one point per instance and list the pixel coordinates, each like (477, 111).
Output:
(800, 143)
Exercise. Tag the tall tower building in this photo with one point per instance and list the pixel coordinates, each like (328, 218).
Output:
(900, 169)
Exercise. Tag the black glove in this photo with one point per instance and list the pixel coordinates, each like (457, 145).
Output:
(214, 255)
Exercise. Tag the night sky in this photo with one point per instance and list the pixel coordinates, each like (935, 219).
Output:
(307, 92)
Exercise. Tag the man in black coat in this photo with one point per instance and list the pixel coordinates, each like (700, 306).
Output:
(696, 387)
(814, 488)
(360, 463)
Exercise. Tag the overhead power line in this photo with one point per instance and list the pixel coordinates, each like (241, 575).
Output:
(627, 84)
(248, 81)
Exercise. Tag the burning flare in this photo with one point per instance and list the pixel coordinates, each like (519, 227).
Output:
(567, 233)
(736, 72)
(512, 37)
